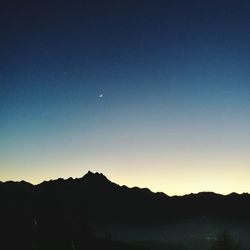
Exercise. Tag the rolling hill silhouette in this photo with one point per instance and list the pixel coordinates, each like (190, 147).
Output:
(57, 214)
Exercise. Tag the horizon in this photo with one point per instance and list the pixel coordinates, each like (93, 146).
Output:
(121, 185)
(154, 94)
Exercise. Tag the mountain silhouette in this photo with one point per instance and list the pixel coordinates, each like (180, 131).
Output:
(58, 214)
(102, 199)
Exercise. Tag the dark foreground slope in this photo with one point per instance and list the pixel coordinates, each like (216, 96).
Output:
(57, 214)
(48, 217)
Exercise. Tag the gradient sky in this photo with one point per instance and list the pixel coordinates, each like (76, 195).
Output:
(175, 80)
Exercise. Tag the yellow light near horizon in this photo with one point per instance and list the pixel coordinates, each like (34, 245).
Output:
(173, 176)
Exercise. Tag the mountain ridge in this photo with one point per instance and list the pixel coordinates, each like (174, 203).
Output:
(97, 176)
(100, 199)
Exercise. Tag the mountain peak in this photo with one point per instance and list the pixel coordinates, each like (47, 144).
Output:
(90, 176)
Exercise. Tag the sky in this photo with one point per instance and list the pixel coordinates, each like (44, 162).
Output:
(150, 93)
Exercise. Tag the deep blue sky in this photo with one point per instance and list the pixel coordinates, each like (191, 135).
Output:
(175, 80)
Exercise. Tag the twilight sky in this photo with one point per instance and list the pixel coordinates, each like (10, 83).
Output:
(150, 93)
